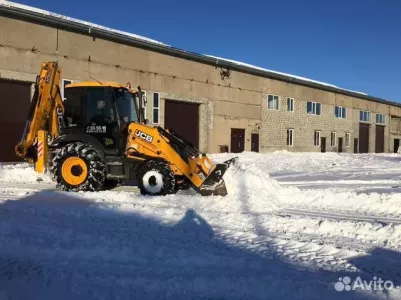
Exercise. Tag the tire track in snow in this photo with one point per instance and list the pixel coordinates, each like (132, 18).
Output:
(301, 248)
(232, 233)
(339, 216)
(145, 203)
(214, 218)
(30, 232)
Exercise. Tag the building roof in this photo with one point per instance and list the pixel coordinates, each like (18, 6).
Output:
(52, 19)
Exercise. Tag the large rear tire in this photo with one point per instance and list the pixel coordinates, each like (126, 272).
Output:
(155, 178)
(78, 167)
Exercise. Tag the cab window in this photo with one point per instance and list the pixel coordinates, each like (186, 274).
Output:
(73, 107)
(100, 109)
(126, 106)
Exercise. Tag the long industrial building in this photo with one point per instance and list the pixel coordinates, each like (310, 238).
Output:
(217, 104)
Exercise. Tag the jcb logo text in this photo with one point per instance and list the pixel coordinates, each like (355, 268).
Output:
(146, 137)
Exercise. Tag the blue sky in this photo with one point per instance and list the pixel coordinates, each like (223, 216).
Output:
(354, 44)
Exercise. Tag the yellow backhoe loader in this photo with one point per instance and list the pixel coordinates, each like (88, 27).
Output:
(97, 137)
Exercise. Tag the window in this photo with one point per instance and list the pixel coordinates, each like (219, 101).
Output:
(347, 139)
(290, 104)
(313, 108)
(316, 138)
(272, 102)
(73, 115)
(126, 106)
(290, 137)
(364, 116)
(64, 82)
(333, 139)
(156, 103)
(380, 119)
(340, 112)
(99, 108)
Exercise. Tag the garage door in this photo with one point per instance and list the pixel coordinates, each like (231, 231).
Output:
(183, 118)
(363, 138)
(379, 139)
(15, 97)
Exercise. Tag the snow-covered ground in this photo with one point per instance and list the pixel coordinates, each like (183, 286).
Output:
(291, 226)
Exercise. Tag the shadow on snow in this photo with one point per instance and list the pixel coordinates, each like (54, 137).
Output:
(61, 246)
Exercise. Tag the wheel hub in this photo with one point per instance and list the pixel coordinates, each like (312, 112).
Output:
(74, 170)
(152, 180)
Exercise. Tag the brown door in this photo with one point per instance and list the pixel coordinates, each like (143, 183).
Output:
(363, 138)
(355, 145)
(15, 97)
(237, 140)
(183, 119)
(396, 145)
(379, 139)
(255, 142)
(323, 144)
(340, 145)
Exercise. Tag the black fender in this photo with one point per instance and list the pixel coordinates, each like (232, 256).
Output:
(78, 137)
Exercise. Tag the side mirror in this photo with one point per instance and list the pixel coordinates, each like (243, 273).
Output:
(146, 121)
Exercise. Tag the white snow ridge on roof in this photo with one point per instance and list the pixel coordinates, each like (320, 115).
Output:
(281, 73)
(267, 70)
(61, 17)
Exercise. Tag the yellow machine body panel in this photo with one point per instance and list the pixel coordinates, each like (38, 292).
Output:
(144, 141)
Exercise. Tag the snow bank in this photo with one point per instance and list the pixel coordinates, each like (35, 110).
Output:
(291, 162)
(251, 186)
(21, 173)
(254, 170)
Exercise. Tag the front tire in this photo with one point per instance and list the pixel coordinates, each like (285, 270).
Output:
(78, 167)
(156, 178)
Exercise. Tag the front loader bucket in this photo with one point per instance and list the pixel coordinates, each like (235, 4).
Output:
(214, 183)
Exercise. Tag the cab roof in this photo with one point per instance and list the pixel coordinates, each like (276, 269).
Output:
(98, 84)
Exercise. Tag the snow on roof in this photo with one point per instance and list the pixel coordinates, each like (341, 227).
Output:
(281, 73)
(138, 37)
(58, 16)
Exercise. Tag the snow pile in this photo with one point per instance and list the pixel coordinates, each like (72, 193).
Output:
(274, 181)
(373, 169)
(21, 173)
(292, 162)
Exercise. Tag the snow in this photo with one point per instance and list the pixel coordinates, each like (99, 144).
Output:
(21, 173)
(292, 224)
(91, 25)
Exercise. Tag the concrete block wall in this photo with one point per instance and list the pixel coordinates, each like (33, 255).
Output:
(276, 122)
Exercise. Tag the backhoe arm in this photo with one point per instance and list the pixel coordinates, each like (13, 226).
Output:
(45, 116)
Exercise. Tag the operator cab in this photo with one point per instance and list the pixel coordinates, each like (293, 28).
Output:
(101, 110)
